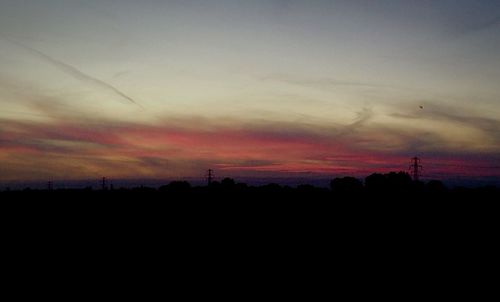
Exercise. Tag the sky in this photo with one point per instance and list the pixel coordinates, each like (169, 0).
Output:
(250, 88)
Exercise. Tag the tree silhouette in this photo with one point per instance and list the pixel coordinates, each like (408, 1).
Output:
(346, 185)
(376, 182)
(435, 187)
(228, 183)
(176, 187)
(393, 182)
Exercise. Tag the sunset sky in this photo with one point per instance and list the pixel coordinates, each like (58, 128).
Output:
(250, 88)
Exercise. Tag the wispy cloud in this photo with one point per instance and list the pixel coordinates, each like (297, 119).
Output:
(477, 25)
(170, 149)
(452, 115)
(362, 118)
(321, 83)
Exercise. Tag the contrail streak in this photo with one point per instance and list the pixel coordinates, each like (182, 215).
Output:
(73, 71)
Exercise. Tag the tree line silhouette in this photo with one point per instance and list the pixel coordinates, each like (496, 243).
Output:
(389, 186)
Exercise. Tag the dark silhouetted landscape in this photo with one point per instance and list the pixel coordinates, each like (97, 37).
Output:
(375, 188)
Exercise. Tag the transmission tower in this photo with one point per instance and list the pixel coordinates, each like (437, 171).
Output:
(210, 176)
(415, 168)
(104, 187)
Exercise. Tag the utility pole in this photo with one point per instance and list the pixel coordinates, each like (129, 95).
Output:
(210, 176)
(49, 186)
(415, 168)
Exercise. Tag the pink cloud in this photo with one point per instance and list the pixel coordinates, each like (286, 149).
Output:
(142, 150)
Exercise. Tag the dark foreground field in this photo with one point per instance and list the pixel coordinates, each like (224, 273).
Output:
(252, 225)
